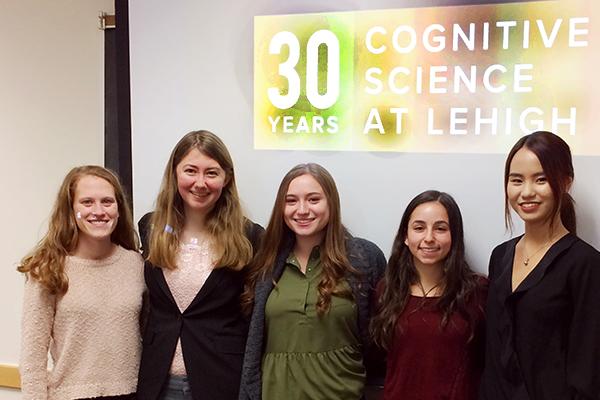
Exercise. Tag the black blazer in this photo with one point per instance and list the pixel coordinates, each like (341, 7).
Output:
(212, 329)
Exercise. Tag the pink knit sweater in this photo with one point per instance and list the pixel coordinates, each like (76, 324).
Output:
(92, 331)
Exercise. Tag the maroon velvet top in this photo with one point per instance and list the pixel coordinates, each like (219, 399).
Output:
(426, 362)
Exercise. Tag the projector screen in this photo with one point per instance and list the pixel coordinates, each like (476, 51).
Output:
(216, 66)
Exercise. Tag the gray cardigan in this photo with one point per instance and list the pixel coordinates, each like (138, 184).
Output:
(363, 255)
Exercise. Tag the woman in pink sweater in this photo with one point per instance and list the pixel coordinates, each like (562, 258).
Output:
(83, 295)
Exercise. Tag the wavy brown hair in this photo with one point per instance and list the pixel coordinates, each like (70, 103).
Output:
(46, 262)
(279, 237)
(459, 281)
(555, 158)
(225, 222)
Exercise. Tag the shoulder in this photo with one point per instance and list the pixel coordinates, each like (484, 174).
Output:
(144, 227)
(253, 232)
(501, 249)
(144, 222)
(585, 250)
(366, 257)
(582, 257)
(481, 289)
(131, 256)
(362, 247)
(499, 253)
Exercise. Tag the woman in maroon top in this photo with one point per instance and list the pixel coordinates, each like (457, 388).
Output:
(430, 307)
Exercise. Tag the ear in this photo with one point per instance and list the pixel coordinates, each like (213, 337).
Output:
(569, 184)
(406, 241)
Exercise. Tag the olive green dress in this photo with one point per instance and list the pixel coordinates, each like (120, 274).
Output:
(307, 356)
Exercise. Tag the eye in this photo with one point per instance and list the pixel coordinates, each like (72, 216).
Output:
(189, 171)
(515, 180)
(87, 202)
(541, 179)
(290, 201)
(418, 228)
(314, 200)
(442, 228)
(108, 201)
(212, 173)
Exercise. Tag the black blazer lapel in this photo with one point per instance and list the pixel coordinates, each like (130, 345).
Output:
(536, 275)
(213, 280)
(156, 274)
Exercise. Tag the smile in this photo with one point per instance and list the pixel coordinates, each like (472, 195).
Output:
(200, 195)
(529, 206)
(304, 221)
(98, 221)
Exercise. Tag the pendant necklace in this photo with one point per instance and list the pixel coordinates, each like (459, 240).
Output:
(425, 293)
(527, 258)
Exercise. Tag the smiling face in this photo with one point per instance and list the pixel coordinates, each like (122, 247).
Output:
(200, 182)
(306, 210)
(95, 207)
(528, 190)
(428, 236)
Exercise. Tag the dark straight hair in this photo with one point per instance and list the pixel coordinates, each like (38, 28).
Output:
(460, 282)
(555, 157)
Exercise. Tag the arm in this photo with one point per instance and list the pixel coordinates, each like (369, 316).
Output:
(36, 329)
(583, 350)
(375, 358)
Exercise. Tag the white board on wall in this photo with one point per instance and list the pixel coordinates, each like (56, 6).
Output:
(192, 68)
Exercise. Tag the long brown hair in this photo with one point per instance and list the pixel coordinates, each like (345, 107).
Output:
(555, 158)
(225, 222)
(279, 236)
(460, 281)
(46, 262)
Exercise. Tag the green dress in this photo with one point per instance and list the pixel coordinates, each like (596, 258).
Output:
(306, 356)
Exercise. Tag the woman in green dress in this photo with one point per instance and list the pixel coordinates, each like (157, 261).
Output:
(309, 293)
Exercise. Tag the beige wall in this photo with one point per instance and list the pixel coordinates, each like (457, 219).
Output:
(51, 119)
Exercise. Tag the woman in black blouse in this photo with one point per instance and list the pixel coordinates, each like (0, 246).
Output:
(543, 310)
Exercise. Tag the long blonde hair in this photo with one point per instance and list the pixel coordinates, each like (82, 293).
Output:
(46, 262)
(278, 235)
(225, 222)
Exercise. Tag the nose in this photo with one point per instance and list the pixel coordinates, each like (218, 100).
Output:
(528, 189)
(302, 207)
(429, 235)
(97, 209)
(200, 182)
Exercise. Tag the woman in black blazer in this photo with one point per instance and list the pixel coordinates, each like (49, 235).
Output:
(543, 323)
(197, 242)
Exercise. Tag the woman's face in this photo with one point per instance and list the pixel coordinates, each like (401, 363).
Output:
(95, 207)
(428, 237)
(306, 210)
(528, 190)
(200, 182)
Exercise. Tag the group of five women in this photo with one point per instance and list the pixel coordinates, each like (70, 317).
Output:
(303, 309)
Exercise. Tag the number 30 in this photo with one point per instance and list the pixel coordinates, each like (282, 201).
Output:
(287, 69)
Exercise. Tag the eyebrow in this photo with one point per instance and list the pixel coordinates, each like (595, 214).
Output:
(519, 175)
(436, 222)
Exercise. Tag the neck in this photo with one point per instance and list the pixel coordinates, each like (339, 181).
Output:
(544, 232)
(429, 275)
(93, 249)
(194, 226)
(305, 244)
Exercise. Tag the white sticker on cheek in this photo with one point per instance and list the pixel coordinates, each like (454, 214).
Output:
(78, 215)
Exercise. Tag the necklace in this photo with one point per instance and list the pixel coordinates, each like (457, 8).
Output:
(425, 293)
(528, 257)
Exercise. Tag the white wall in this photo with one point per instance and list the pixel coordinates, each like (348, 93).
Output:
(191, 67)
(51, 119)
